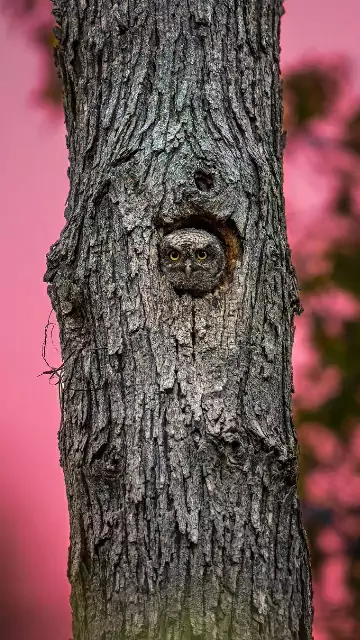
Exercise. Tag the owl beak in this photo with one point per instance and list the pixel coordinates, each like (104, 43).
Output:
(187, 268)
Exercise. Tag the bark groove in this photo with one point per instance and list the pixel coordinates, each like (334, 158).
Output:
(176, 438)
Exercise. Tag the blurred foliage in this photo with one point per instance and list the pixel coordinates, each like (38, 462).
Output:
(352, 133)
(311, 97)
(20, 7)
(35, 17)
(51, 91)
(310, 93)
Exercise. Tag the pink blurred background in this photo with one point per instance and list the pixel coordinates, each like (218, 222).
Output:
(33, 510)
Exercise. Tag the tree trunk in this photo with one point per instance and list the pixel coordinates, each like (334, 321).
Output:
(176, 439)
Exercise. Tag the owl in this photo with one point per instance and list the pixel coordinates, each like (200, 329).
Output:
(193, 260)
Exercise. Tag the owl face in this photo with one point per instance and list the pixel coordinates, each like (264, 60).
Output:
(193, 260)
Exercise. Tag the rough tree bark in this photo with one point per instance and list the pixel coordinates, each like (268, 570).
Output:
(176, 439)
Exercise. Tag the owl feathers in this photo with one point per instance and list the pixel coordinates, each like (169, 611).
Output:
(193, 260)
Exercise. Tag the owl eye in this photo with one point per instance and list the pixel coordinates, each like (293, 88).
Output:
(174, 255)
(201, 254)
